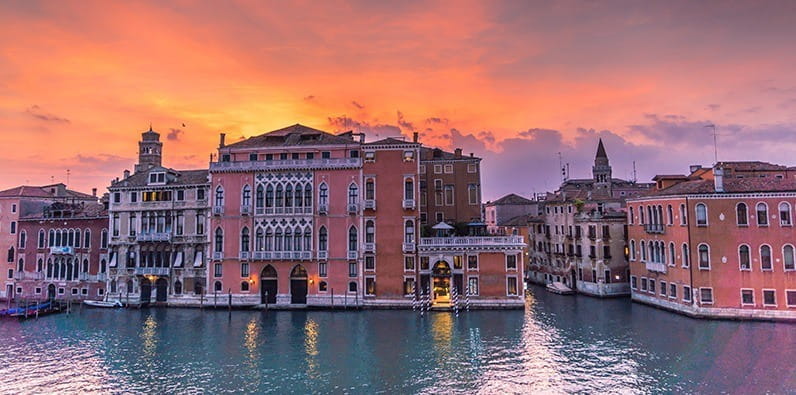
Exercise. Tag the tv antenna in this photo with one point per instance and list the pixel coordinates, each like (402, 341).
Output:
(715, 146)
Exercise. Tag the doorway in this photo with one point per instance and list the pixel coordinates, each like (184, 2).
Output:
(298, 285)
(162, 289)
(268, 285)
(146, 290)
(441, 273)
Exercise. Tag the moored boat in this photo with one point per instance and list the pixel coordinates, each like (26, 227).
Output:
(559, 288)
(103, 303)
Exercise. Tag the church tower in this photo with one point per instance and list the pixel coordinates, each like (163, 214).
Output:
(150, 150)
(602, 169)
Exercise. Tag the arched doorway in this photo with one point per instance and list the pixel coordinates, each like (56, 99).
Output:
(51, 292)
(441, 272)
(162, 289)
(298, 285)
(146, 290)
(268, 285)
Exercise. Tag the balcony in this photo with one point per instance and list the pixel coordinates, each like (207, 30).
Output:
(370, 204)
(62, 250)
(218, 210)
(194, 273)
(592, 236)
(158, 236)
(656, 267)
(353, 208)
(281, 255)
(218, 256)
(323, 209)
(244, 255)
(472, 241)
(323, 254)
(409, 204)
(654, 228)
(156, 271)
(245, 210)
(287, 164)
(259, 211)
(352, 255)
(409, 247)
(19, 276)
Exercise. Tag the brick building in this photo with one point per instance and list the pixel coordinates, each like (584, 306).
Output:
(450, 187)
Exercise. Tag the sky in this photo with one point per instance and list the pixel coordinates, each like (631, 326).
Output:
(514, 82)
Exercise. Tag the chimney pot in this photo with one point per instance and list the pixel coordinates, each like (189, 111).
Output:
(94, 192)
(221, 140)
(414, 137)
(458, 152)
(126, 174)
(718, 179)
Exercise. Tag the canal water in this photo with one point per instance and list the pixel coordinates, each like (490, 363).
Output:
(558, 344)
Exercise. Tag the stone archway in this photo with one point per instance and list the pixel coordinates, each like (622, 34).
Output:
(268, 285)
(441, 274)
(298, 285)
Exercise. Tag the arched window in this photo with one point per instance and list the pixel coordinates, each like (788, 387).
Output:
(672, 255)
(78, 236)
(259, 195)
(23, 236)
(85, 266)
(632, 250)
(643, 250)
(409, 189)
(641, 215)
(244, 239)
(701, 214)
(784, 214)
(269, 239)
(177, 287)
(104, 239)
(87, 238)
(259, 240)
(11, 255)
(352, 238)
(683, 215)
(103, 266)
(39, 265)
(742, 214)
(409, 232)
(280, 202)
(269, 196)
(323, 239)
(219, 196)
(307, 195)
(244, 286)
(370, 189)
(246, 196)
(58, 238)
(762, 214)
(42, 241)
(278, 240)
(670, 215)
(113, 286)
(704, 256)
(298, 200)
(323, 194)
(630, 215)
(288, 239)
(51, 240)
(787, 257)
(370, 230)
(288, 195)
(744, 259)
(307, 239)
(49, 268)
(765, 257)
(20, 265)
(219, 240)
(353, 194)
(217, 286)
(296, 239)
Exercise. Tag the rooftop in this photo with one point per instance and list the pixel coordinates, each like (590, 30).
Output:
(180, 177)
(46, 191)
(511, 198)
(293, 135)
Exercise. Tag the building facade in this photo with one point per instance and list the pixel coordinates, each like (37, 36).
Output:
(302, 217)
(62, 253)
(158, 231)
(717, 243)
(21, 201)
(579, 238)
(450, 187)
(499, 212)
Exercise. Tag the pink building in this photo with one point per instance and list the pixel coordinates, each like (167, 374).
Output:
(62, 253)
(717, 243)
(303, 217)
(21, 201)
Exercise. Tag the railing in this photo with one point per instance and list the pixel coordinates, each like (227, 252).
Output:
(409, 247)
(28, 276)
(352, 255)
(62, 250)
(281, 255)
(161, 236)
(409, 204)
(353, 208)
(244, 255)
(195, 272)
(323, 254)
(218, 210)
(259, 211)
(303, 164)
(323, 209)
(245, 210)
(370, 204)
(472, 241)
(218, 255)
(157, 271)
(370, 247)
(656, 267)
(86, 277)
(654, 228)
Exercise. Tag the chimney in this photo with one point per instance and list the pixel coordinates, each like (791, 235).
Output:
(718, 179)
(94, 192)
(221, 140)
(471, 154)
(362, 138)
(458, 152)
(414, 137)
(694, 168)
(126, 174)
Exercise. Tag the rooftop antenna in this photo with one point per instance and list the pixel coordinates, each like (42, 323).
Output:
(561, 166)
(67, 176)
(634, 172)
(715, 146)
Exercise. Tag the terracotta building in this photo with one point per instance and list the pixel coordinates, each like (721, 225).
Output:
(498, 213)
(717, 243)
(579, 238)
(158, 231)
(302, 217)
(62, 252)
(450, 187)
(21, 201)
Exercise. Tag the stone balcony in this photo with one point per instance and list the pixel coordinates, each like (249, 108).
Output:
(157, 236)
(471, 242)
(656, 267)
(156, 271)
(287, 164)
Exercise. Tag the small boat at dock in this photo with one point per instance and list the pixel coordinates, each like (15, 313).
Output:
(559, 288)
(108, 304)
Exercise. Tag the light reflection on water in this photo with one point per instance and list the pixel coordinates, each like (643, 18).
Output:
(558, 344)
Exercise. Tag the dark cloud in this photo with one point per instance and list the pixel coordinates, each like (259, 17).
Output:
(437, 120)
(404, 123)
(175, 134)
(713, 107)
(309, 98)
(371, 130)
(357, 105)
(36, 112)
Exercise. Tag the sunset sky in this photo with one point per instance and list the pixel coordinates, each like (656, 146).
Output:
(514, 82)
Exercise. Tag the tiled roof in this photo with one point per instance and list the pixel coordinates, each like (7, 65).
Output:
(751, 166)
(427, 153)
(520, 220)
(184, 177)
(389, 141)
(511, 199)
(44, 192)
(731, 185)
(292, 136)
(91, 210)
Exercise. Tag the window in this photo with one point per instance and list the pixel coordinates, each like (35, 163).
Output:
(652, 286)
(87, 239)
(409, 263)
(670, 213)
(742, 215)
(424, 263)
(409, 189)
(217, 285)
(790, 298)
(472, 262)
(354, 154)
(643, 284)
(283, 156)
(511, 286)
(323, 195)
(643, 250)
(22, 239)
(370, 189)
(370, 282)
(409, 286)
(472, 194)
(326, 154)
(630, 214)
(437, 169)
(686, 293)
(663, 288)
(352, 286)
(686, 258)
(701, 214)
(370, 262)
(13, 227)
(217, 271)
(762, 214)
(511, 262)
(323, 238)
(632, 250)
(769, 297)
(784, 214)
(244, 239)
(787, 257)
(633, 282)
(472, 285)
(322, 269)
(42, 241)
(219, 240)
(117, 197)
(352, 269)
(673, 291)
(244, 286)
(765, 257)
(352, 238)
(672, 256)
(449, 195)
(704, 256)
(200, 194)
(747, 297)
(472, 168)
(706, 295)
(683, 215)
(104, 239)
(219, 196)
(246, 196)
(409, 232)
(744, 260)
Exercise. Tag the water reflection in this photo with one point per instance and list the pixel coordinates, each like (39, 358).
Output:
(311, 348)
(149, 341)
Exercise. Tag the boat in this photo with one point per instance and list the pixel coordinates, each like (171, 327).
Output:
(559, 288)
(38, 310)
(103, 303)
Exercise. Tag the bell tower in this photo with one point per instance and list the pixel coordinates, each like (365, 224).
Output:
(150, 150)
(602, 169)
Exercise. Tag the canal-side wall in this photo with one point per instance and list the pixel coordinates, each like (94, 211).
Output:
(716, 313)
(602, 290)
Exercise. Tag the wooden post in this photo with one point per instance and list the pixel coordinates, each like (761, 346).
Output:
(266, 300)
(332, 298)
(345, 301)
(229, 303)
(215, 298)
(201, 299)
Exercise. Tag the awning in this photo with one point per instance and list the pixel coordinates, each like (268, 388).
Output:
(113, 260)
(198, 261)
(442, 226)
(178, 259)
